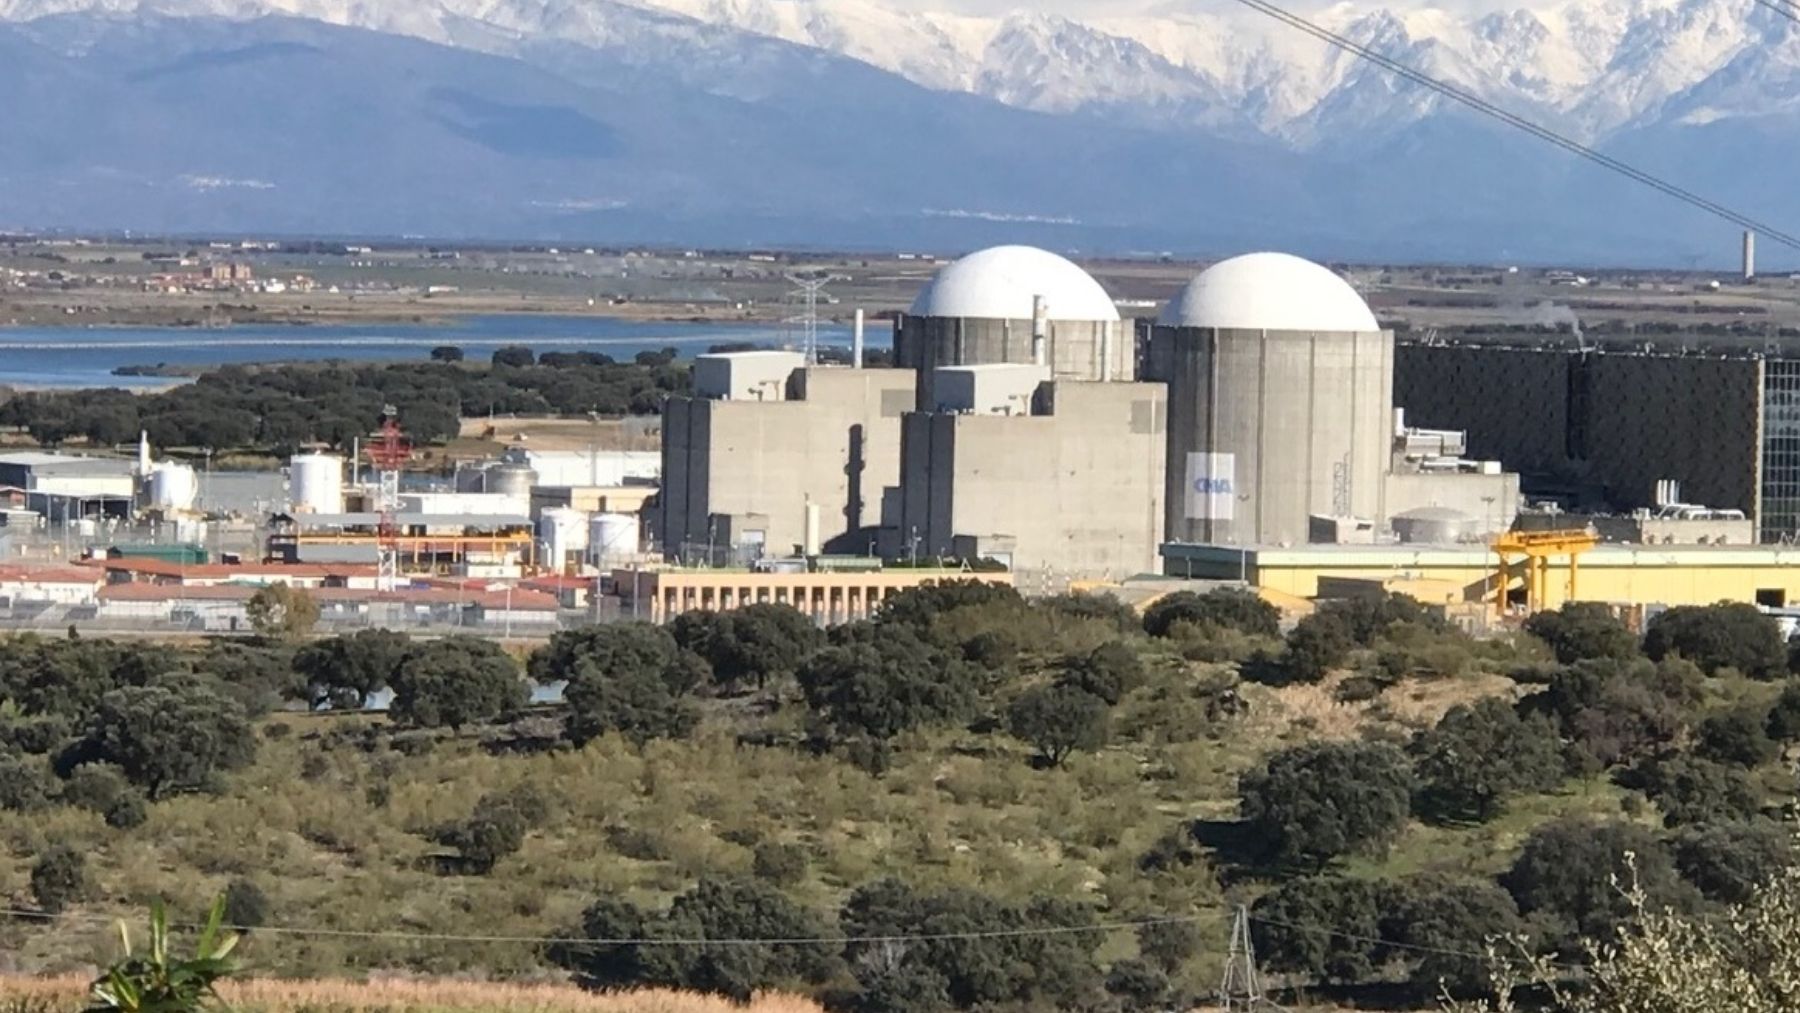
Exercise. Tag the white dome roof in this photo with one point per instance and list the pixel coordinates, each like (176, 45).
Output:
(1269, 292)
(998, 283)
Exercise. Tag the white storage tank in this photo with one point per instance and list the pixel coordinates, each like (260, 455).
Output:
(614, 538)
(173, 488)
(316, 483)
(563, 533)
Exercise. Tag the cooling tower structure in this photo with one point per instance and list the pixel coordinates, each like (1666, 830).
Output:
(1281, 402)
(1016, 304)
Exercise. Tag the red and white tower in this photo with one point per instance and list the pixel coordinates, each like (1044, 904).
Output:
(388, 453)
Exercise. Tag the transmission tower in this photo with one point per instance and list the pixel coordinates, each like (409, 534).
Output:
(388, 452)
(807, 287)
(1240, 989)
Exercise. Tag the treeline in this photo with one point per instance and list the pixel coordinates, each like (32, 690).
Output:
(283, 407)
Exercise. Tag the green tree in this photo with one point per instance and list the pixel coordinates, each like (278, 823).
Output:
(494, 830)
(59, 878)
(1225, 607)
(1433, 922)
(630, 678)
(1784, 716)
(1579, 631)
(173, 736)
(1727, 635)
(1109, 672)
(1169, 944)
(1481, 753)
(1566, 877)
(1621, 712)
(24, 783)
(1692, 789)
(104, 789)
(1058, 720)
(446, 353)
(877, 684)
(455, 682)
(1326, 928)
(754, 644)
(1321, 800)
(1738, 736)
(341, 672)
(1731, 861)
(1138, 984)
(921, 607)
(246, 906)
(282, 612)
(1316, 645)
(514, 357)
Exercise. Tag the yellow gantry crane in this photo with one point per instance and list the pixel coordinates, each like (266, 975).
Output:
(1534, 550)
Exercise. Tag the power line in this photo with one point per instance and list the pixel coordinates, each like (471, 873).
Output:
(1543, 133)
(1786, 8)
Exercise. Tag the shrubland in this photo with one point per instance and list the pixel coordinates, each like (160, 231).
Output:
(972, 801)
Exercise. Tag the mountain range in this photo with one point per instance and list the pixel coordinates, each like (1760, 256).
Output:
(1194, 128)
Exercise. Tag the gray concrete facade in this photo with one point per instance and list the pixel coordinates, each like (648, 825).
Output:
(1280, 426)
(1073, 490)
(1074, 350)
(740, 473)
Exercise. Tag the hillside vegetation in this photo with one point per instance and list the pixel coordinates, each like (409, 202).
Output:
(974, 800)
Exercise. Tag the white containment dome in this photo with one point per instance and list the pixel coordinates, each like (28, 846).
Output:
(999, 283)
(316, 483)
(173, 487)
(1269, 292)
(614, 538)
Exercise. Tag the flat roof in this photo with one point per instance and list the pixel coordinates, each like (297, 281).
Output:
(1604, 555)
(355, 520)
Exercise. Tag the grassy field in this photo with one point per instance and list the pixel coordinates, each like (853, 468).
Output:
(65, 993)
(330, 824)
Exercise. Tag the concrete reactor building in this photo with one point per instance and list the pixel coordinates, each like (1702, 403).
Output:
(1013, 304)
(770, 456)
(1282, 422)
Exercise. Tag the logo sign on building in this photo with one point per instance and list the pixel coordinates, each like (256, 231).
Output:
(1211, 486)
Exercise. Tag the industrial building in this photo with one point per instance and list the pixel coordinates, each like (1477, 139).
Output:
(1059, 477)
(1013, 304)
(1469, 572)
(771, 456)
(1283, 426)
(827, 596)
(1606, 425)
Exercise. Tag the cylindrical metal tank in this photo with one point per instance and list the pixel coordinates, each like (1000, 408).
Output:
(614, 538)
(510, 479)
(316, 483)
(563, 533)
(1433, 525)
(173, 487)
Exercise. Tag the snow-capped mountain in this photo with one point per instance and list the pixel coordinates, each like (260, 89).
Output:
(1110, 128)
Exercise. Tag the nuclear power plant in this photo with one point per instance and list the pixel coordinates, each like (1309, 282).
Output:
(1027, 424)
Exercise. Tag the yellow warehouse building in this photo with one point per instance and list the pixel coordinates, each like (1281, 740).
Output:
(1619, 574)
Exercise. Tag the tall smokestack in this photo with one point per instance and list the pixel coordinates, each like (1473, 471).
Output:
(1040, 327)
(1749, 255)
(856, 342)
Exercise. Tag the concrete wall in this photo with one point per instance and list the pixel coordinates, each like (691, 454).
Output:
(835, 440)
(1307, 418)
(1074, 350)
(1614, 422)
(745, 376)
(1076, 487)
(1490, 501)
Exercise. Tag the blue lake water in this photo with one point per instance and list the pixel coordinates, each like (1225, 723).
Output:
(86, 357)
